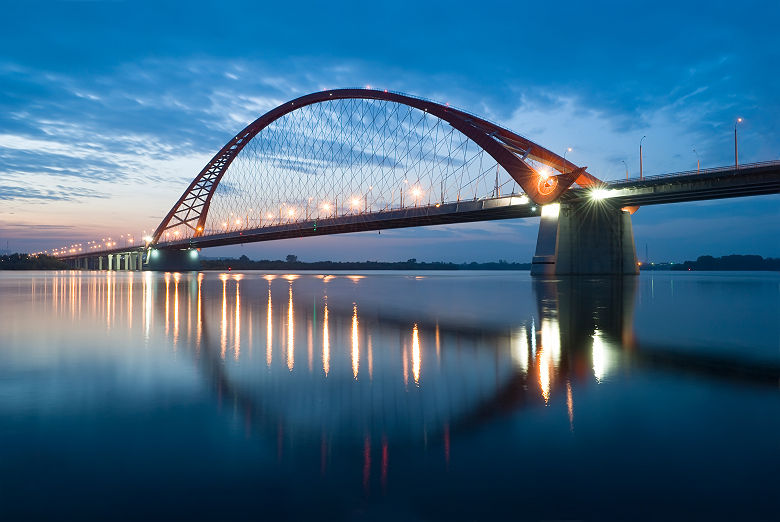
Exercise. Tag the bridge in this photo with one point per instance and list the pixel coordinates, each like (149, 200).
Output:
(351, 160)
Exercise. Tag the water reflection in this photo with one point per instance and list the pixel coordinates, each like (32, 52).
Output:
(469, 361)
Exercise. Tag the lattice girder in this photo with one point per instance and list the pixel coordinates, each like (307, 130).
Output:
(362, 144)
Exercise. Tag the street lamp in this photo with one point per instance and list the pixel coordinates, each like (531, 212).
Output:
(626, 165)
(698, 163)
(640, 157)
(736, 149)
(564, 159)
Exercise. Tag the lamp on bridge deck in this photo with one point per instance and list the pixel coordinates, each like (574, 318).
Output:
(736, 150)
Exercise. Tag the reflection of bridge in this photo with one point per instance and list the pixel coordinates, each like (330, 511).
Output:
(353, 160)
(314, 369)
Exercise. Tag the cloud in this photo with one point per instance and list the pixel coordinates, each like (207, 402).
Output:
(55, 193)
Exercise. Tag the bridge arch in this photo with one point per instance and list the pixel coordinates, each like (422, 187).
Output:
(528, 164)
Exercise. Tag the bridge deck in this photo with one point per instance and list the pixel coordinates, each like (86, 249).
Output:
(725, 182)
(508, 207)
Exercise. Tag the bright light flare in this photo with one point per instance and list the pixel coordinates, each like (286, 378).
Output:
(551, 210)
(600, 193)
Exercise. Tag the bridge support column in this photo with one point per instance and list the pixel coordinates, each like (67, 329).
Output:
(585, 239)
(139, 261)
(174, 260)
(100, 262)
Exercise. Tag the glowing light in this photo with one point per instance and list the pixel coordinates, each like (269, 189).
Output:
(523, 200)
(551, 338)
(415, 355)
(551, 210)
(269, 329)
(545, 173)
(600, 193)
(519, 349)
(602, 358)
(290, 332)
(416, 192)
(355, 346)
(326, 207)
(543, 363)
(291, 212)
(325, 343)
(193, 254)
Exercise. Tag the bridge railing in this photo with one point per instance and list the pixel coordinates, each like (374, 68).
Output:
(697, 172)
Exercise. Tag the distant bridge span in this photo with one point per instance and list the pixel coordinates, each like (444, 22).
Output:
(351, 160)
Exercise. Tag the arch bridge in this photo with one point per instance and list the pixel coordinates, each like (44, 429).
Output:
(350, 160)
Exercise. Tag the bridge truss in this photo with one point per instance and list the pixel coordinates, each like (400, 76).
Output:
(360, 152)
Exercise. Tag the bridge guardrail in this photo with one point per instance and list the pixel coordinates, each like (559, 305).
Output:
(698, 172)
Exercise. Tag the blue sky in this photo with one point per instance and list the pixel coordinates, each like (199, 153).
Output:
(108, 109)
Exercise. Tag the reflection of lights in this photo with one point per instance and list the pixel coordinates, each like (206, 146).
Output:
(551, 338)
(602, 358)
(551, 210)
(519, 349)
(543, 363)
(269, 329)
(355, 347)
(176, 279)
(325, 343)
(237, 345)
(570, 405)
(290, 332)
(415, 355)
(223, 329)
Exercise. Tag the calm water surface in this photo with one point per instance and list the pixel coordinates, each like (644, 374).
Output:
(389, 396)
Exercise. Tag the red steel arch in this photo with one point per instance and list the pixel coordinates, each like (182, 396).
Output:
(507, 148)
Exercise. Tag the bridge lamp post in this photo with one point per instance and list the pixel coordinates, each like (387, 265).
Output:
(698, 163)
(625, 165)
(568, 149)
(736, 149)
(641, 175)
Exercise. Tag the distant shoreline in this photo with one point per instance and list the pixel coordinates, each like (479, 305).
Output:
(244, 263)
(741, 263)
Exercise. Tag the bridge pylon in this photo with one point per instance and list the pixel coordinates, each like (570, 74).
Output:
(590, 238)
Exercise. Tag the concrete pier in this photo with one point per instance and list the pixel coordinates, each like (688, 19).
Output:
(591, 238)
(173, 260)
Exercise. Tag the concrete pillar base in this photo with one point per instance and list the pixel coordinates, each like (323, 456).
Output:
(595, 238)
(173, 260)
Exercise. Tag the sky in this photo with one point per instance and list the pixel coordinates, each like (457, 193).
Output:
(108, 109)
